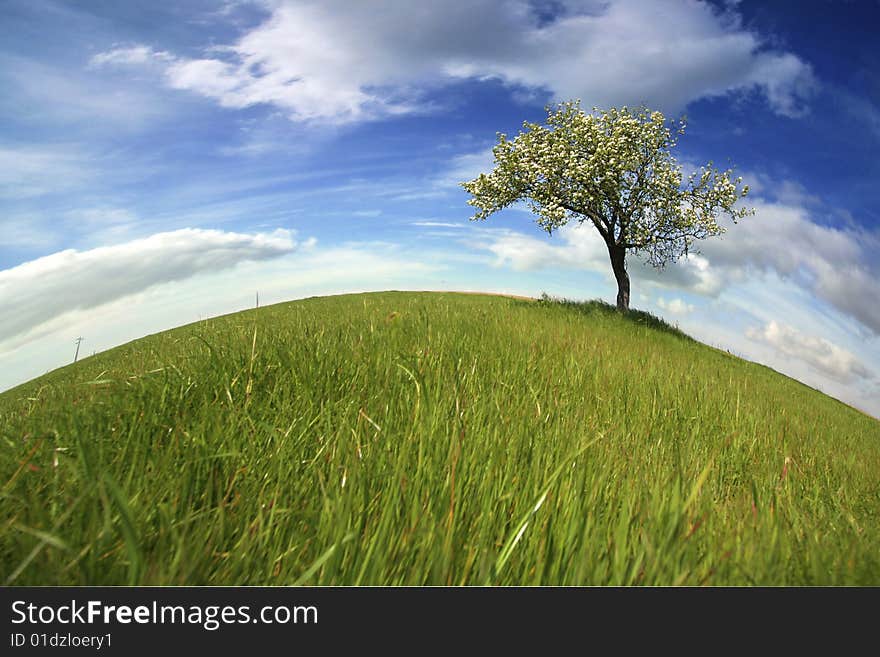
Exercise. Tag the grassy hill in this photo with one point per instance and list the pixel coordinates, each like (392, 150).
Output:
(432, 438)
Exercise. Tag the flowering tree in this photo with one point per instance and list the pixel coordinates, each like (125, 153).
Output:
(614, 169)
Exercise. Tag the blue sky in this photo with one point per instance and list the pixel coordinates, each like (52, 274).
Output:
(161, 162)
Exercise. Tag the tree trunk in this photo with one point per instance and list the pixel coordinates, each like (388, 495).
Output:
(618, 264)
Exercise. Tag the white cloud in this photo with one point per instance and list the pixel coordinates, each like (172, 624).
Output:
(102, 216)
(465, 167)
(820, 354)
(862, 109)
(576, 248)
(725, 322)
(26, 231)
(833, 263)
(439, 224)
(70, 280)
(215, 291)
(343, 61)
(579, 246)
(66, 97)
(830, 263)
(676, 306)
(32, 171)
(778, 263)
(138, 54)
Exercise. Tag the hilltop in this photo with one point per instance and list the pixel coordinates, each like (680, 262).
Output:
(433, 438)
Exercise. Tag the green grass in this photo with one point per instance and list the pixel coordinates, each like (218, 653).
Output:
(433, 438)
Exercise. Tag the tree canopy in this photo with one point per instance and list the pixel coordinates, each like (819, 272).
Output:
(615, 169)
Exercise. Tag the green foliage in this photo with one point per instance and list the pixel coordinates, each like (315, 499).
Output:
(403, 438)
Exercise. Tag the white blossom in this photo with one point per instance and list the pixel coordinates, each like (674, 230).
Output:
(615, 169)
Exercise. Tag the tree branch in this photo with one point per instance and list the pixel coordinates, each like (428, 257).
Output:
(603, 228)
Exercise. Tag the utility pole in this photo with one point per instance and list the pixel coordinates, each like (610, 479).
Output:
(78, 341)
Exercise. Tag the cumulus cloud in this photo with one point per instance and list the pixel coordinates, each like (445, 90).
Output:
(579, 246)
(576, 248)
(820, 354)
(342, 61)
(834, 264)
(40, 290)
(676, 306)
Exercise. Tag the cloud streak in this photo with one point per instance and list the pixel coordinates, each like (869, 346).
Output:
(34, 171)
(41, 290)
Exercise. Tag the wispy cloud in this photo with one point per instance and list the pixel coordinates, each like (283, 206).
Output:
(63, 96)
(122, 56)
(861, 109)
(28, 171)
(465, 167)
(439, 224)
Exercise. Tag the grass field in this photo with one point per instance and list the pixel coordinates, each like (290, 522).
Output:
(433, 438)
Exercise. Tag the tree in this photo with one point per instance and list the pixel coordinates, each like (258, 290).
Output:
(614, 169)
